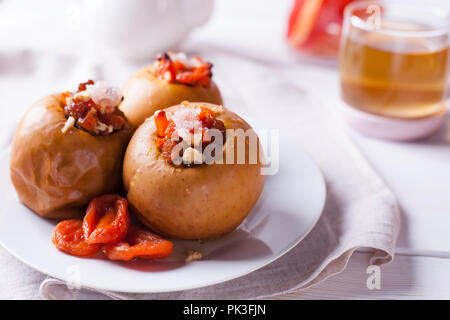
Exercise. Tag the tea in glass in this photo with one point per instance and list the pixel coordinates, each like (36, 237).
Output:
(397, 68)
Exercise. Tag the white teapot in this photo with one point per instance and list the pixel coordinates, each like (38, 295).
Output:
(139, 29)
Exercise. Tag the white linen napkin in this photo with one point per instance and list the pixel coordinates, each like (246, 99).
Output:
(360, 211)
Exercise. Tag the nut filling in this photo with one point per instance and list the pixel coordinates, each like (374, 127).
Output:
(190, 136)
(93, 108)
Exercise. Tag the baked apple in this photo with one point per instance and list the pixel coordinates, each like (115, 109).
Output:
(171, 79)
(69, 148)
(189, 176)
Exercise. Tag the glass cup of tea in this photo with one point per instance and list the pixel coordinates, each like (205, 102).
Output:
(394, 59)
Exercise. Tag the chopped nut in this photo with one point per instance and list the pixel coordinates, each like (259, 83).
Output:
(192, 255)
(82, 96)
(69, 124)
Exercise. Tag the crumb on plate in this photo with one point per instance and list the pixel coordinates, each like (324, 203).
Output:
(193, 255)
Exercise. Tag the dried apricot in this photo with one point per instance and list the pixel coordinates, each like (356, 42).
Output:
(107, 219)
(161, 123)
(139, 243)
(68, 236)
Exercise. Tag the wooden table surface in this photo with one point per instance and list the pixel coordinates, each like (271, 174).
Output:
(407, 277)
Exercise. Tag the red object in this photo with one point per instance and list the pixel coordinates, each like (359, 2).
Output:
(79, 109)
(88, 122)
(209, 121)
(199, 75)
(166, 69)
(165, 129)
(82, 86)
(205, 113)
(161, 123)
(170, 130)
(315, 26)
(107, 219)
(175, 71)
(113, 120)
(160, 142)
(139, 243)
(68, 236)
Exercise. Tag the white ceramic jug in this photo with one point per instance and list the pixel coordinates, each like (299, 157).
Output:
(139, 29)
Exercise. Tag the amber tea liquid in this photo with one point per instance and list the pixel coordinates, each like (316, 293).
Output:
(399, 79)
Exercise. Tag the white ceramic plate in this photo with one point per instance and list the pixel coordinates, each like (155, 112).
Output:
(288, 209)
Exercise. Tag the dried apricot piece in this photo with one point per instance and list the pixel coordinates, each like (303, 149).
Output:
(89, 122)
(68, 236)
(161, 123)
(166, 69)
(205, 113)
(139, 243)
(107, 219)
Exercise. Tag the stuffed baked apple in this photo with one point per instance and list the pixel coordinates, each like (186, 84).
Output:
(68, 148)
(172, 78)
(187, 174)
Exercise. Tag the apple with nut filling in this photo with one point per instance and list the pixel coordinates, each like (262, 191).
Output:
(171, 79)
(69, 148)
(182, 172)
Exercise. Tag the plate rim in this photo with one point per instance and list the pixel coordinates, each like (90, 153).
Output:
(323, 193)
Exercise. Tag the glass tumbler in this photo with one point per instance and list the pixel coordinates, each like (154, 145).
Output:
(393, 59)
